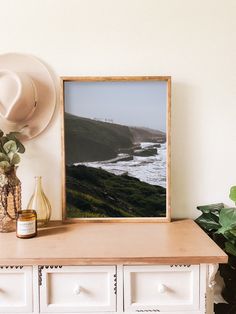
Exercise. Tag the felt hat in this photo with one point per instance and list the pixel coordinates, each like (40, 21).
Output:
(27, 95)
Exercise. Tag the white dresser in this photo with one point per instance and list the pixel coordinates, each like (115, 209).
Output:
(109, 268)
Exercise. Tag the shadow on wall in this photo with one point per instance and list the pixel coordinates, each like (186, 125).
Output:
(182, 154)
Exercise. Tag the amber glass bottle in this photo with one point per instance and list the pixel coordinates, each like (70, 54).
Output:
(26, 224)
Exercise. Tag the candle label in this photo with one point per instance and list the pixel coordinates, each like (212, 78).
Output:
(26, 227)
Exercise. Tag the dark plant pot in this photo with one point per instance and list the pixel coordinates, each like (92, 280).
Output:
(219, 240)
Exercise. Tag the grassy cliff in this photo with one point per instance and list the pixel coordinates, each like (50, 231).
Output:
(94, 192)
(97, 193)
(91, 140)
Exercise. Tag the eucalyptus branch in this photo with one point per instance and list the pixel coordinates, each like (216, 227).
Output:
(10, 148)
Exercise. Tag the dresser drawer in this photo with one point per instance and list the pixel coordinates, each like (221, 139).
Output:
(75, 289)
(15, 289)
(161, 288)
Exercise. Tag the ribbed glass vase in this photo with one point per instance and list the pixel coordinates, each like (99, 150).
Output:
(10, 199)
(40, 203)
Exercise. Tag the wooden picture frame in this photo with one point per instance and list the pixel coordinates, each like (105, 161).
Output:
(76, 148)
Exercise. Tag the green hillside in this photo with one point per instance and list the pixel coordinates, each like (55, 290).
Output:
(91, 140)
(95, 192)
(147, 135)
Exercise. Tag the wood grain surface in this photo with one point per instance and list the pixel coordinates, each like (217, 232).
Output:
(180, 242)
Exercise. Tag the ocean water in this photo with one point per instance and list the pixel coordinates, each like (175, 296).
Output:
(147, 169)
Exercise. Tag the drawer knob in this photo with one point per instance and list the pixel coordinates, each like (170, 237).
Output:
(77, 290)
(162, 288)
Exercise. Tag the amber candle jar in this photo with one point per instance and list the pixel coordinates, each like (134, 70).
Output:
(26, 224)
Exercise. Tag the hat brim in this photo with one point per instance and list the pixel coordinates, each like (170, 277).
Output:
(46, 94)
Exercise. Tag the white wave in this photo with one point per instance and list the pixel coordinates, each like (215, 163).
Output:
(147, 169)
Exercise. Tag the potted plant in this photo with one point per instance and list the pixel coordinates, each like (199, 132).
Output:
(10, 185)
(219, 222)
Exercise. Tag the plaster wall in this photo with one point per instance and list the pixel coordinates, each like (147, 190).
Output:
(193, 41)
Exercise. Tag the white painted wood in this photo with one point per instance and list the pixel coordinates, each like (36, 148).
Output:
(120, 289)
(171, 289)
(36, 295)
(179, 285)
(16, 289)
(121, 312)
(203, 290)
(77, 289)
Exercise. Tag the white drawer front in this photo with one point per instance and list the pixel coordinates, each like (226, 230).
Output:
(74, 289)
(16, 289)
(161, 288)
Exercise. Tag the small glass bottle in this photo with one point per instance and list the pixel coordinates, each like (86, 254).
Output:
(40, 204)
(26, 224)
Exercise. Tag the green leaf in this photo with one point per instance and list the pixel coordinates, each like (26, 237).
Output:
(15, 159)
(3, 157)
(13, 136)
(230, 237)
(233, 232)
(227, 219)
(216, 208)
(3, 140)
(230, 248)
(232, 194)
(20, 147)
(208, 221)
(10, 147)
(5, 165)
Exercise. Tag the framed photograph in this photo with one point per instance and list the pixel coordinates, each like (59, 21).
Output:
(116, 148)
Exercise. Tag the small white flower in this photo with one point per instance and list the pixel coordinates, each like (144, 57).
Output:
(3, 180)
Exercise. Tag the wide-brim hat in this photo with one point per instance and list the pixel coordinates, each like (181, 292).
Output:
(27, 95)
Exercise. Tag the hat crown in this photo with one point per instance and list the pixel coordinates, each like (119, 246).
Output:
(17, 96)
(27, 94)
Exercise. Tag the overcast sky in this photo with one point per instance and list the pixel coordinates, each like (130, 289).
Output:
(129, 103)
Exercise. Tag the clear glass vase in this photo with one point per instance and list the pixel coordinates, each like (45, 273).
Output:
(40, 203)
(10, 199)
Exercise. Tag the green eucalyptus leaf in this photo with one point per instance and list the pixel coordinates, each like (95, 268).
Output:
(3, 140)
(212, 208)
(5, 165)
(232, 194)
(208, 221)
(3, 157)
(230, 248)
(13, 136)
(20, 147)
(10, 147)
(15, 159)
(227, 219)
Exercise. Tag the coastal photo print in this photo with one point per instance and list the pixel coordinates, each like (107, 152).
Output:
(116, 148)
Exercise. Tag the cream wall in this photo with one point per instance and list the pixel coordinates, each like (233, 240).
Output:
(193, 41)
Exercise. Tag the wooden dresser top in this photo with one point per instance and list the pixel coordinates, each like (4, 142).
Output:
(179, 242)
